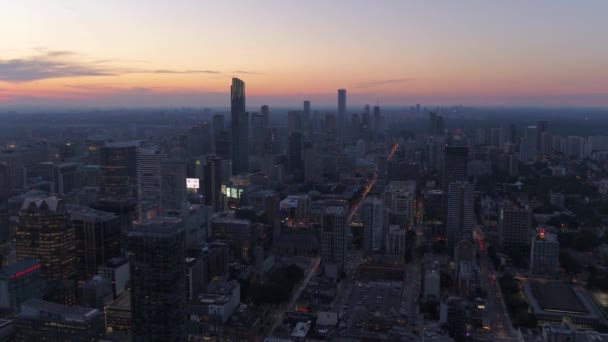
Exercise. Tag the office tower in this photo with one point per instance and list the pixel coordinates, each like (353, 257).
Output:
(97, 236)
(514, 225)
(199, 139)
(294, 121)
(157, 267)
(306, 114)
(40, 320)
(194, 277)
(240, 128)
(223, 144)
(544, 254)
(117, 271)
(218, 124)
(546, 143)
(395, 242)
(119, 170)
(398, 199)
(19, 282)
(460, 212)
(455, 165)
(5, 182)
(527, 147)
(95, 293)
(333, 240)
(464, 251)
(355, 126)
(575, 147)
(330, 128)
(295, 152)
(436, 125)
(173, 198)
(148, 182)
(212, 191)
(259, 129)
(432, 281)
(366, 123)
(541, 127)
(373, 225)
(313, 165)
(377, 121)
(44, 234)
(341, 124)
(265, 110)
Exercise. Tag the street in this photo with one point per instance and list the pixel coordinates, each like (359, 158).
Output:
(277, 315)
(495, 312)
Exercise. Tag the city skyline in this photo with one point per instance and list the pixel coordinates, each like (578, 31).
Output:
(400, 53)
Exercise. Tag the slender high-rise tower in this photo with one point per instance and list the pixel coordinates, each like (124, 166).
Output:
(341, 111)
(240, 127)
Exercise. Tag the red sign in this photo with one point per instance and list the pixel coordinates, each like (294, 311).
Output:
(26, 271)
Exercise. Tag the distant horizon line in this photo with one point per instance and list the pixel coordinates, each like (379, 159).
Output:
(325, 108)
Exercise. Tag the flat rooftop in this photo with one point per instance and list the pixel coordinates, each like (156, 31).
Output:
(557, 297)
(380, 272)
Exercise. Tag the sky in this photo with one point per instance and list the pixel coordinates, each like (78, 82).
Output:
(391, 52)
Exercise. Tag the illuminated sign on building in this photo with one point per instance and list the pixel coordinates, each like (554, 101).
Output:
(192, 183)
(26, 271)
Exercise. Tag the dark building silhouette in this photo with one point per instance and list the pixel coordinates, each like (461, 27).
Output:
(40, 320)
(97, 238)
(157, 266)
(213, 183)
(240, 128)
(341, 111)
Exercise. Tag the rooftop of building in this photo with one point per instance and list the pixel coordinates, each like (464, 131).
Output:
(301, 330)
(157, 225)
(123, 302)
(334, 210)
(557, 297)
(78, 212)
(122, 144)
(50, 203)
(34, 308)
(223, 287)
(115, 262)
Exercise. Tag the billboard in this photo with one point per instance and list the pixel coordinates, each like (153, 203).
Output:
(192, 183)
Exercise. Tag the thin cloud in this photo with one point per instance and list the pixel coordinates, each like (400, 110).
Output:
(371, 84)
(51, 64)
(67, 64)
(166, 71)
(245, 72)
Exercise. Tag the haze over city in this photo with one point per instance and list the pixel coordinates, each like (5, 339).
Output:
(181, 53)
(291, 171)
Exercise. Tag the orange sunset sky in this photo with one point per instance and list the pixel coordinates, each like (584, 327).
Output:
(184, 52)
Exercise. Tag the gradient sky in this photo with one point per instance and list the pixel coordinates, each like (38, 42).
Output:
(395, 52)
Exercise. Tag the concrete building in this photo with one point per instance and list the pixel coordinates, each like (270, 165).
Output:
(373, 225)
(333, 240)
(19, 282)
(544, 254)
(514, 225)
(97, 238)
(460, 212)
(157, 268)
(40, 320)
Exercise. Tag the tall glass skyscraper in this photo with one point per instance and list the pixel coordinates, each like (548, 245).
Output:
(341, 111)
(240, 127)
(158, 284)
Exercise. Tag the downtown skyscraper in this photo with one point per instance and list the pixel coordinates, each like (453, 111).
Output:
(240, 127)
(341, 111)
